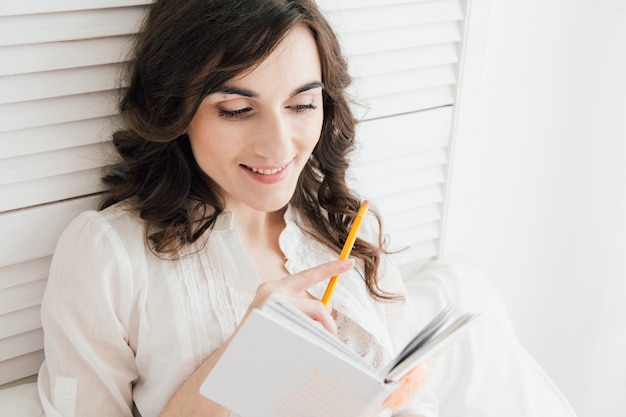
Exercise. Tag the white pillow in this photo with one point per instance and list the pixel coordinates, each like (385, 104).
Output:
(20, 401)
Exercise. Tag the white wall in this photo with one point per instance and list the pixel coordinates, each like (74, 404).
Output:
(540, 183)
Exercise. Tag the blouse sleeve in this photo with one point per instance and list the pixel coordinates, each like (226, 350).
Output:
(403, 323)
(89, 367)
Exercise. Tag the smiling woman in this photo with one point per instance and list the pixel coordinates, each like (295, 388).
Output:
(232, 187)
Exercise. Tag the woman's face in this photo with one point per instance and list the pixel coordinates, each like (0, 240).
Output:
(254, 136)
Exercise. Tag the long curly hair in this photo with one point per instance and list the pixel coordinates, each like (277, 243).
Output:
(186, 50)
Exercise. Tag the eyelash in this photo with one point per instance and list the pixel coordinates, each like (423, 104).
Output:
(240, 113)
(234, 114)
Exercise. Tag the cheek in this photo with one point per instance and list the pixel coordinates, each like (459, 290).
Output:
(205, 145)
(313, 131)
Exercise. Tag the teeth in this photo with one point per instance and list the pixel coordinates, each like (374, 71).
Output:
(266, 171)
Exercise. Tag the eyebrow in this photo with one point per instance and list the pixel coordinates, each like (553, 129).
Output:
(229, 89)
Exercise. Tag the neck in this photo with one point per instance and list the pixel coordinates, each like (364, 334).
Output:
(258, 226)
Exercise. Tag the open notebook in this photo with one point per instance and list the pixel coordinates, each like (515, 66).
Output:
(281, 363)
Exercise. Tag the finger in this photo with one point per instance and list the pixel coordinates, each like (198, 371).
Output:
(317, 311)
(305, 279)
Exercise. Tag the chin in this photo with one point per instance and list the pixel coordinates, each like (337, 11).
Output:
(271, 204)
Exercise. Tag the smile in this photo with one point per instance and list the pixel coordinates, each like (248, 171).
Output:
(265, 171)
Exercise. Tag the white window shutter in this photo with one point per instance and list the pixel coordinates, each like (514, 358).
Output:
(405, 57)
(59, 65)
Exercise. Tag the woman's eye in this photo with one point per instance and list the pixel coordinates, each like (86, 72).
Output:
(234, 114)
(303, 107)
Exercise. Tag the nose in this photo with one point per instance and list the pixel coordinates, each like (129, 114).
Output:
(273, 139)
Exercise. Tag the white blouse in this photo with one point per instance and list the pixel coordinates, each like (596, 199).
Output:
(124, 327)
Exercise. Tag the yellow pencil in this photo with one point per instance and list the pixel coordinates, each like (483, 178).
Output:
(347, 248)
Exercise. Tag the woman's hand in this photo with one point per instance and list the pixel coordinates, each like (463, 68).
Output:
(293, 289)
(189, 403)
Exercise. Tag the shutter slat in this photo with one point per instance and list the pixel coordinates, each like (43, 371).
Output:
(393, 16)
(403, 60)
(20, 367)
(412, 218)
(52, 111)
(22, 273)
(51, 56)
(382, 186)
(411, 101)
(409, 199)
(21, 7)
(25, 343)
(415, 236)
(50, 138)
(407, 37)
(419, 253)
(328, 5)
(416, 131)
(17, 88)
(21, 296)
(47, 164)
(51, 189)
(53, 163)
(68, 26)
(400, 164)
(20, 321)
(397, 83)
(24, 246)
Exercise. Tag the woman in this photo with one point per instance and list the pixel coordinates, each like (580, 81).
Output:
(232, 188)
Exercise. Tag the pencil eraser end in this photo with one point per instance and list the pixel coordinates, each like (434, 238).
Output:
(366, 202)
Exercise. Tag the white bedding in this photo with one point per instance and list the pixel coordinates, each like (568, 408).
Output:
(487, 374)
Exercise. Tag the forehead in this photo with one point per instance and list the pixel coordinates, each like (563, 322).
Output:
(293, 62)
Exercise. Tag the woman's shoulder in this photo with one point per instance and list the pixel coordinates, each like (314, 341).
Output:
(119, 220)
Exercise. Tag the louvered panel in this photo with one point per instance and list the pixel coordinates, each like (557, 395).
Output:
(22, 225)
(51, 111)
(68, 26)
(21, 296)
(406, 37)
(384, 16)
(20, 7)
(30, 271)
(51, 56)
(20, 321)
(54, 188)
(20, 367)
(26, 343)
(55, 137)
(37, 86)
(58, 105)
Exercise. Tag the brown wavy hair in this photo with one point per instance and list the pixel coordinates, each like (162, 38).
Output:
(185, 51)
